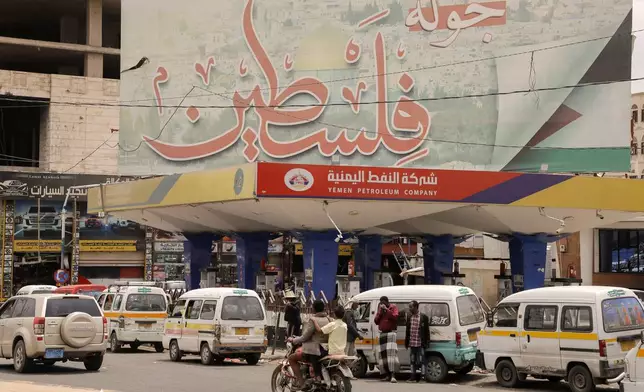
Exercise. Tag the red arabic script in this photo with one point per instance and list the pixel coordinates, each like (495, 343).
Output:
(409, 116)
(353, 97)
(161, 77)
(204, 72)
(352, 52)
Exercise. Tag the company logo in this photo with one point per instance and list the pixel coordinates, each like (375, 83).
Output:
(298, 180)
(13, 188)
(238, 184)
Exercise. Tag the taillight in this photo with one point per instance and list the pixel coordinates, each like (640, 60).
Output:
(104, 326)
(602, 348)
(39, 327)
(458, 339)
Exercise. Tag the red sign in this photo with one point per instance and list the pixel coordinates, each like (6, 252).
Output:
(363, 182)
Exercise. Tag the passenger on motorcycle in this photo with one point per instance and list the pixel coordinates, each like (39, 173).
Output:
(337, 331)
(311, 341)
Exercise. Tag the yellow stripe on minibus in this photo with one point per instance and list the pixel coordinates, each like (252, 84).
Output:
(542, 334)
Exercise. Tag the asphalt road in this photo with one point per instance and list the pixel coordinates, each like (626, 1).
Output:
(143, 371)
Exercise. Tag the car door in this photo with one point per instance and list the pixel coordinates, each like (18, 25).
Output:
(174, 323)
(364, 318)
(190, 330)
(403, 313)
(5, 337)
(539, 341)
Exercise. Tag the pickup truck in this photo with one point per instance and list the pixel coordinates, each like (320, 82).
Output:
(632, 379)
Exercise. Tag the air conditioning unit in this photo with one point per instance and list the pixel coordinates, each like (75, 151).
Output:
(562, 248)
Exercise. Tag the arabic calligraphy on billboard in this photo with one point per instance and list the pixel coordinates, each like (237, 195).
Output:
(397, 83)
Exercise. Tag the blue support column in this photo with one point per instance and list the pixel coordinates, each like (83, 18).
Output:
(438, 257)
(528, 260)
(251, 249)
(321, 258)
(197, 253)
(368, 259)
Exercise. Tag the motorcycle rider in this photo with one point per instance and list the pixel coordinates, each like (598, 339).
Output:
(311, 341)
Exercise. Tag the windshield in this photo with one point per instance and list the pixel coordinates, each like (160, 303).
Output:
(622, 314)
(146, 303)
(62, 307)
(242, 308)
(469, 310)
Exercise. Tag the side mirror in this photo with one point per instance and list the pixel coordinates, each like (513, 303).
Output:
(642, 337)
(490, 319)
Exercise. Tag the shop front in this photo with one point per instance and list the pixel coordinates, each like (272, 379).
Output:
(36, 242)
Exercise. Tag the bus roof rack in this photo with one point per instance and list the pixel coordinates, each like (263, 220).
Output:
(119, 283)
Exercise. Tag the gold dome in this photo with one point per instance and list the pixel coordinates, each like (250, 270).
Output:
(322, 49)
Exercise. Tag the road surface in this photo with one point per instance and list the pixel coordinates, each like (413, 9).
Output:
(147, 371)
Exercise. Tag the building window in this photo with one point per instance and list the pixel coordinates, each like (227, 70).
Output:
(634, 111)
(20, 126)
(633, 148)
(621, 251)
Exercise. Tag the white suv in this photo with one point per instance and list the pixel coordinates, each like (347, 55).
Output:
(47, 328)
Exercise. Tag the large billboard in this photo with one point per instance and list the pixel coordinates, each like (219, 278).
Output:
(528, 85)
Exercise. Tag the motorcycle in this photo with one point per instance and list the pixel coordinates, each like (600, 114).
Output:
(336, 374)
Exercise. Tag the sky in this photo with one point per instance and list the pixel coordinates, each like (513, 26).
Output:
(638, 51)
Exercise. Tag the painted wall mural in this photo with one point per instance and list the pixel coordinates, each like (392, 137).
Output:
(530, 85)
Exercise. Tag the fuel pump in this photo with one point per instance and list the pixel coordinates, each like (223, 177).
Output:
(504, 279)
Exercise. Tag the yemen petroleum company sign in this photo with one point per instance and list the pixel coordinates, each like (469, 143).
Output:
(298, 179)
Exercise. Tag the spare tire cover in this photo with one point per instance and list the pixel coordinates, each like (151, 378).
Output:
(78, 329)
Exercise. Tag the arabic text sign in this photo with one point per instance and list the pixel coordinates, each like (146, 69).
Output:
(343, 250)
(108, 246)
(329, 79)
(35, 245)
(358, 182)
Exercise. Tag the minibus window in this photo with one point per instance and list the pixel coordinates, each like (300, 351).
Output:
(438, 313)
(177, 311)
(145, 303)
(506, 316)
(577, 319)
(541, 318)
(242, 308)
(363, 312)
(622, 314)
(469, 310)
(208, 310)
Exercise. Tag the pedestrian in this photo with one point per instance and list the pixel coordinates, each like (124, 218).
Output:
(292, 315)
(352, 330)
(387, 321)
(417, 340)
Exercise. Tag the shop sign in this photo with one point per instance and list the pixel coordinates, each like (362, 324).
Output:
(168, 247)
(275, 248)
(36, 246)
(343, 250)
(228, 247)
(16, 185)
(379, 183)
(108, 245)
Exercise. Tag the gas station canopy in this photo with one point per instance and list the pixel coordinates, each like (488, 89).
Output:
(370, 200)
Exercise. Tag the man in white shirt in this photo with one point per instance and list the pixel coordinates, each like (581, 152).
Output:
(337, 331)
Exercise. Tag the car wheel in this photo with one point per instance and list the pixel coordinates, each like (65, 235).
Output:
(206, 355)
(158, 347)
(21, 363)
(253, 359)
(580, 379)
(115, 345)
(506, 374)
(360, 367)
(175, 353)
(93, 363)
(436, 369)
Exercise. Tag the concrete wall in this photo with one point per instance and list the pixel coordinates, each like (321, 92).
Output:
(70, 131)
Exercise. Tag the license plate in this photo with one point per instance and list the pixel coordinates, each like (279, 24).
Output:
(241, 331)
(54, 353)
(473, 336)
(145, 326)
(627, 345)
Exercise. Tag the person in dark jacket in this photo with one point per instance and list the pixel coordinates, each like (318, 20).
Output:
(292, 315)
(352, 330)
(417, 340)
